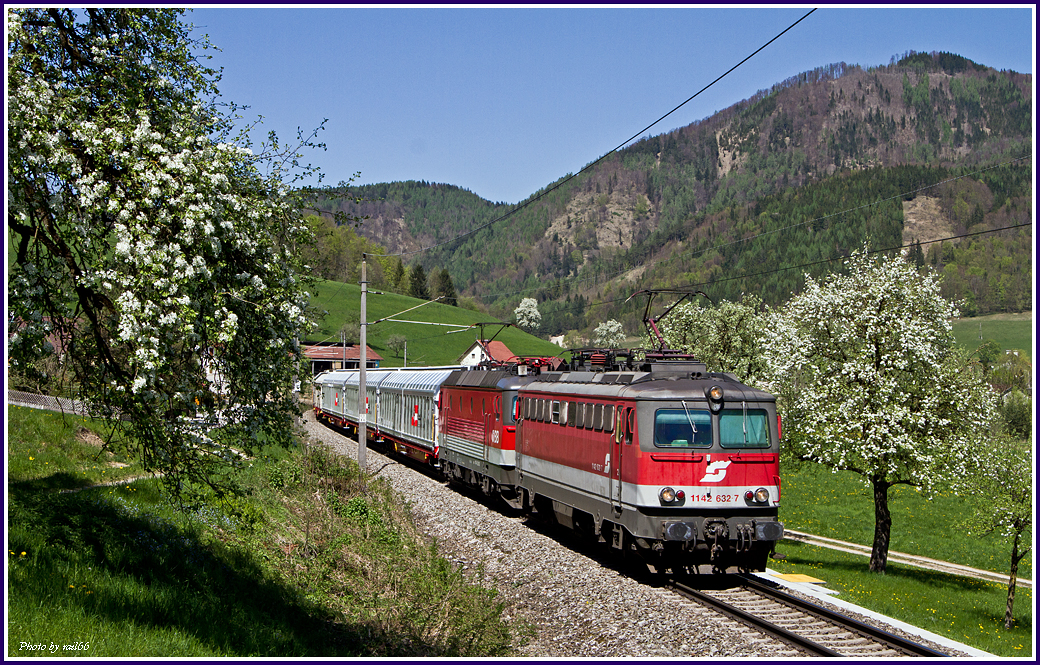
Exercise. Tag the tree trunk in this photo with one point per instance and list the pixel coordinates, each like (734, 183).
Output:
(882, 526)
(1009, 618)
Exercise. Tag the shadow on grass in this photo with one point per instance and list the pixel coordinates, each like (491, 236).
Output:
(146, 572)
(57, 481)
(894, 572)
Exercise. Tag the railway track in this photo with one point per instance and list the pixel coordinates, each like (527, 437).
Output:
(808, 628)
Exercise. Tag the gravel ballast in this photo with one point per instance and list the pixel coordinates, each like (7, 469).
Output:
(572, 605)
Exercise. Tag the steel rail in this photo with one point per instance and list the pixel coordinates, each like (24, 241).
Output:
(793, 639)
(895, 642)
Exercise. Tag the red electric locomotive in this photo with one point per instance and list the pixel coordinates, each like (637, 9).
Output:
(658, 458)
(664, 459)
(479, 417)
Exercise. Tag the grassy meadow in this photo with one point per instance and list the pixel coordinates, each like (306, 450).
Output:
(840, 506)
(1009, 331)
(427, 344)
(311, 560)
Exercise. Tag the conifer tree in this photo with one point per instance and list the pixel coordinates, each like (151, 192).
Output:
(418, 286)
(445, 288)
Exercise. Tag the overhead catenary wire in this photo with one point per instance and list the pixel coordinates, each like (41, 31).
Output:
(800, 266)
(579, 280)
(721, 245)
(537, 197)
(559, 184)
(694, 253)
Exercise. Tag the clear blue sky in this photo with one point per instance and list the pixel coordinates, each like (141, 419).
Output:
(503, 101)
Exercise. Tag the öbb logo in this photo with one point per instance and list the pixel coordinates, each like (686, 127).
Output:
(715, 472)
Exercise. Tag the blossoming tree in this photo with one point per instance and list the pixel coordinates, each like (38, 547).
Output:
(727, 337)
(871, 382)
(610, 334)
(150, 239)
(527, 314)
(1002, 491)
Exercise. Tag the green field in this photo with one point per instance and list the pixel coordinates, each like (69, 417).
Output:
(840, 506)
(313, 559)
(427, 344)
(1009, 331)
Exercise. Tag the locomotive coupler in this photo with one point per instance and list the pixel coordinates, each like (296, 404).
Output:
(714, 531)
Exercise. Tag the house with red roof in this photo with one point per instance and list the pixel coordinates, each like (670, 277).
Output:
(337, 356)
(483, 350)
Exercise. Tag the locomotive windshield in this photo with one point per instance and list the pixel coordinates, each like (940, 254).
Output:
(744, 428)
(682, 428)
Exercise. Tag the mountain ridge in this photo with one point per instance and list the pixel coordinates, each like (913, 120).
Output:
(911, 124)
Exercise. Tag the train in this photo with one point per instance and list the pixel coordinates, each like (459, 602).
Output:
(648, 453)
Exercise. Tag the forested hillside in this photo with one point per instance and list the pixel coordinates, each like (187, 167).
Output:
(930, 147)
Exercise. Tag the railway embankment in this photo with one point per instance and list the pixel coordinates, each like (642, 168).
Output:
(578, 603)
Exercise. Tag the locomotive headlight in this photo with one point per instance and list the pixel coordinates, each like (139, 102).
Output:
(715, 397)
(762, 495)
(667, 495)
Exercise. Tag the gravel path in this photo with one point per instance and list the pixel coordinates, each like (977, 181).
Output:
(576, 606)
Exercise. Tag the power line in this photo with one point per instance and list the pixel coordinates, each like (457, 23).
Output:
(567, 179)
(800, 266)
(721, 245)
(691, 254)
(831, 260)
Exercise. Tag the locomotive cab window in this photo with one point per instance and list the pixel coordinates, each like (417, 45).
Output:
(744, 428)
(682, 428)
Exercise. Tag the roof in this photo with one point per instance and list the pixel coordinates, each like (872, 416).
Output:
(499, 351)
(336, 352)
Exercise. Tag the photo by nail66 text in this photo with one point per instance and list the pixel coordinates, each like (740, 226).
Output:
(52, 647)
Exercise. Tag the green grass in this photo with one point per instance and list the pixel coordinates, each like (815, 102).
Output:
(963, 609)
(313, 560)
(427, 344)
(840, 506)
(316, 561)
(1009, 331)
(61, 452)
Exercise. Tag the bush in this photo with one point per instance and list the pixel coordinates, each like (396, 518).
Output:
(1016, 408)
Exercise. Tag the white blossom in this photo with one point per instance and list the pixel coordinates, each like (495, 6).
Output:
(163, 210)
(527, 314)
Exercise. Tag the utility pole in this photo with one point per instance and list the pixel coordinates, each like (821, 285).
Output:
(362, 389)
